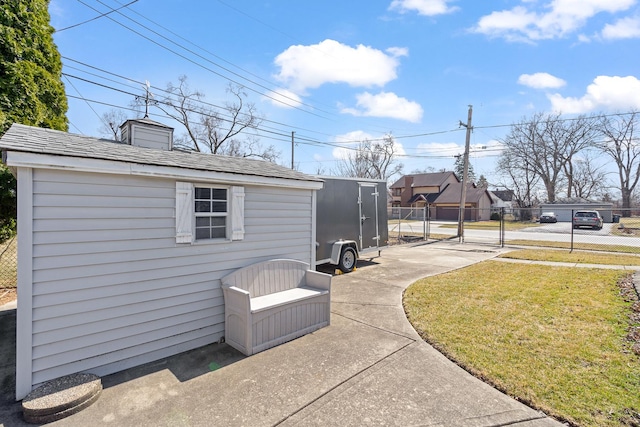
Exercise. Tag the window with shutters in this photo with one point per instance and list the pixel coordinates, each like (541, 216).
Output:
(209, 213)
(211, 209)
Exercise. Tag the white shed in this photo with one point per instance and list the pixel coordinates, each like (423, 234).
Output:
(564, 208)
(121, 247)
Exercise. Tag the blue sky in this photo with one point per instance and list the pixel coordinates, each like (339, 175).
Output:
(351, 70)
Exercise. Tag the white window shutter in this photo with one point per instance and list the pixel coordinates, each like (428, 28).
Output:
(237, 213)
(184, 212)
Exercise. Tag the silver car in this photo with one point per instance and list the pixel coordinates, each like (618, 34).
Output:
(590, 219)
(549, 217)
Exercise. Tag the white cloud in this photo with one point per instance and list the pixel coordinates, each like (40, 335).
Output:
(541, 81)
(398, 51)
(386, 104)
(609, 93)
(532, 21)
(304, 67)
(423, 7)
(283, 98)
(625, 28)
(440, 148)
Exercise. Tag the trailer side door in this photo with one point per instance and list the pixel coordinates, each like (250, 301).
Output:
(368, 203)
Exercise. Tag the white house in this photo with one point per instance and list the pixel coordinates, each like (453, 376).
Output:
(121, 245)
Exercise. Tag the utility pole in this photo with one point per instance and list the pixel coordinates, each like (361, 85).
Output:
(292, 144)
(463, 192)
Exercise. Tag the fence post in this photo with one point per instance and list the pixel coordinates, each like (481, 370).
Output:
(424, 223)
(572, 229)
(502, 227)
(428, 221)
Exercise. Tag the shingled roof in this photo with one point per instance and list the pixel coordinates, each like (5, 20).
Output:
(451, 194)
(36, 140)
(435, 179)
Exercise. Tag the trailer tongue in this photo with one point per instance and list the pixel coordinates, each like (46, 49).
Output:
(351, 220)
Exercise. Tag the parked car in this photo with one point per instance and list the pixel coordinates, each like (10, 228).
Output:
(548, 217)
(587, 219)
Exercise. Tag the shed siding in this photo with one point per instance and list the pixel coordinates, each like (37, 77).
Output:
(112, 289)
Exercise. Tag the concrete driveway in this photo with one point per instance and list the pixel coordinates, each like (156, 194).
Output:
(369, 367)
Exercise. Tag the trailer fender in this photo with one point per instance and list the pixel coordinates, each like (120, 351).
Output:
(344, 248)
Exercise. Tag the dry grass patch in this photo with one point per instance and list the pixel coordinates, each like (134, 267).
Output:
(575, 256)
(493, 225)
(555, 338)
(578, 246)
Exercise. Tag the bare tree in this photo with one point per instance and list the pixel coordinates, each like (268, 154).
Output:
(588, 180)
(519, 177)
(372, 159)
(111, 121)
(320, 170)
(218, 130)
(428, 169)
(546, 145)
(621, 145)
(575, 136)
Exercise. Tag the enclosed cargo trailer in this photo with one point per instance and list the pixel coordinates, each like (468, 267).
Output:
(351, 220)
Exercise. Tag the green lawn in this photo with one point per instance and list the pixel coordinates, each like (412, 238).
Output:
(553, 337)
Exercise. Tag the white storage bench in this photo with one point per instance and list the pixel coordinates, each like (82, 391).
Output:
(272, 302)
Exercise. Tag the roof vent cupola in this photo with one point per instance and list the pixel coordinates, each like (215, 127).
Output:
(147, 133)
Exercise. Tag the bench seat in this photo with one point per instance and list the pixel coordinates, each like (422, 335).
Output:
(272, 302)
(281, 298)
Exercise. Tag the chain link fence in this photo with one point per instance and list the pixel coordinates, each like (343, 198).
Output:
(619, 231)
(615, 230)
(8, 265)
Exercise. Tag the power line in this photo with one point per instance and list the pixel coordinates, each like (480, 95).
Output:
(95, 17)
(267, 95)
(78, 92)
(200, 47)
(202, 102)
(133, 94)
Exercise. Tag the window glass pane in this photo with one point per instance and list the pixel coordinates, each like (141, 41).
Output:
(219, 194)
(203, 233)
(203, 221)
(219, 221)
(219, 206)
(218, 233)
(203, 193)
(202, 206)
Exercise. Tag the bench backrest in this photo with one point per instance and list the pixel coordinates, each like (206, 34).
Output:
(268, 277)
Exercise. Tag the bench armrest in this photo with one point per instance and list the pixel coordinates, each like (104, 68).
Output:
(236, 289)
(318, 280)
(237, 299)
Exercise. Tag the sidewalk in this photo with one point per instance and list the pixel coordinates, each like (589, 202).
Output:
(368, 368)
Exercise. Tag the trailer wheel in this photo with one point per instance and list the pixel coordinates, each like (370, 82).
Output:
(347, 260)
